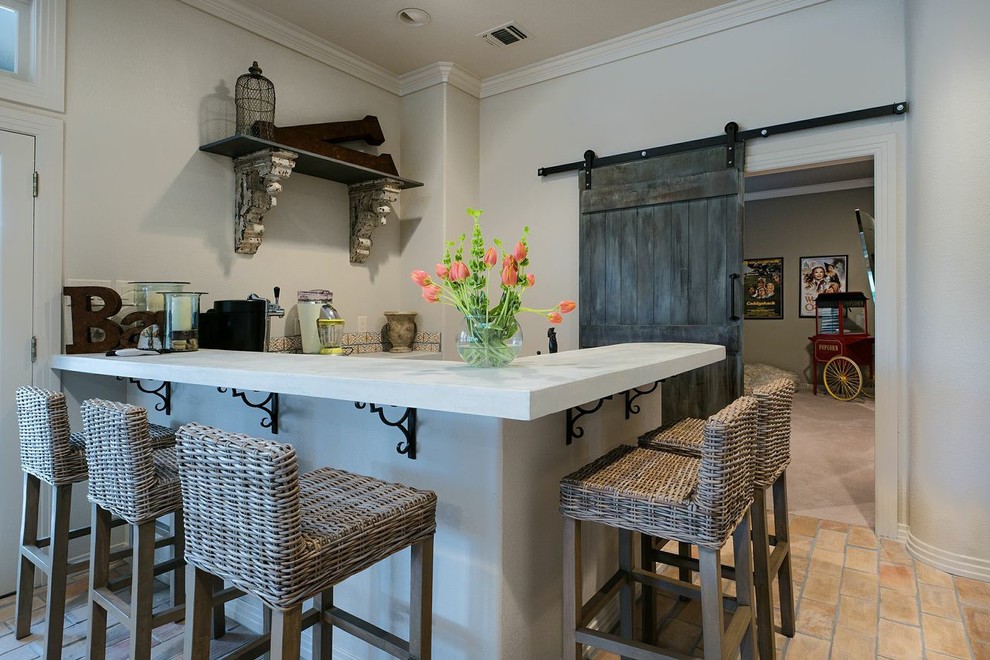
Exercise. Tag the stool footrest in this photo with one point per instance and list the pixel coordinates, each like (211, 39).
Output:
(367, 632)
(76, 533)
(669, 585)
(777, 557)
(114, 605)
(171, 615)
(625, 647)
(690, 563)
(166, 566)
(602, 597)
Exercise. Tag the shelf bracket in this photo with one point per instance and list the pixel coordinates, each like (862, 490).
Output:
(576, 413)
(272, 421)
(257, 178)
(631, 408)
(408, 419)
(370, 202)
(163, 392)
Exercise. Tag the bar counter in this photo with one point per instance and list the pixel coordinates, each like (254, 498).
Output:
(491, 443)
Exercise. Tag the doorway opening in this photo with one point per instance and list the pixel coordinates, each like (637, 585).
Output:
(801, 221)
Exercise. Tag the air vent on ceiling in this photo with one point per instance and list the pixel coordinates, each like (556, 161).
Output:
(504, 35)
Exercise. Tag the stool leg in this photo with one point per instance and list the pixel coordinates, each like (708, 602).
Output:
(711, 601)
(684, 574)
(648, 603)
(177, 588)
(743, 554)
(286, 633)
(25, 568)
(627, 590)
(199, 592)
(762, 577)
(142, 588)
(99, 576)
(323, 632)
(219, 610)
(782, 529)
(421, 600)
(572, 587)
(58, 557)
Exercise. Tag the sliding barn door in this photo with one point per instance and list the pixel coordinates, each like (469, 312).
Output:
(660, 258)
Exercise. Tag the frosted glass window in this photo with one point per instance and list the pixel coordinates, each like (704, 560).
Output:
(8, 39)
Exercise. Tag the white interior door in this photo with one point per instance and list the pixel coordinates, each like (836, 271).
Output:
(16, 301)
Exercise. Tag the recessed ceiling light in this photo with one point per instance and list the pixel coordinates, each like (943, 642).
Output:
(413, 17)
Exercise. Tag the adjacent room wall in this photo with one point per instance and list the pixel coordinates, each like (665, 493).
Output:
(793, 227)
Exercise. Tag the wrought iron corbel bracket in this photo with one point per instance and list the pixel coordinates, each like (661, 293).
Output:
(257, 179)
(406, 424)
(576, 413)
(272, 421)
(163, 392)
(370, 202)
(631, 408)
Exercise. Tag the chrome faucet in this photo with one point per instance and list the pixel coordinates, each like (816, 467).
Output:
(271, 309)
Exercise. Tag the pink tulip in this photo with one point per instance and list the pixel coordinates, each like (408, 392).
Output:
(420, 277)
(441, 271)
(530, 279)
(510, 275)
(509, 259)
(459, 271)
(431, 293)
(566, 306)
(491, 257)
(519, 252)
(554, 318)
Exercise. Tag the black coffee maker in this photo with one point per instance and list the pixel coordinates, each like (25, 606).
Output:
(234, 325)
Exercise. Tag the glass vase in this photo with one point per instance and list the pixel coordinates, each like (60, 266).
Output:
(485, 342)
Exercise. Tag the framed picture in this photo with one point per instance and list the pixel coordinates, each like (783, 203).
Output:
(821, 275)
(763, 288)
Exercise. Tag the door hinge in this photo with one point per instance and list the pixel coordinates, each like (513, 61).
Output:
(34, 184)
(34, 349)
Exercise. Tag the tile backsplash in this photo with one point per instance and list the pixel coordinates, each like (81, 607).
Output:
(361, 342)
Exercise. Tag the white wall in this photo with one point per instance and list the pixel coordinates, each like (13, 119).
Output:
(148, 82)
(833, 57)
(947, 246)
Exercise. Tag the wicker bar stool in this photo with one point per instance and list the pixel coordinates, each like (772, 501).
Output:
(771, 456)
(696, 500)
(129, 478)
(50, 453)
(254, 521)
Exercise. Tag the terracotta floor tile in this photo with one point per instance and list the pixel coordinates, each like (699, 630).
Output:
(895, 640)
(899, 606)
(680, 636)
(898, 577)
(860, 585)
(822, 587)
(981, 651)
(826, 561)
(829, 539)
(893, 551)
(859, 615)
(938, 601)
(977, 621)
(800, 546)
(945, 636)
(852, 645)
(863, 537)
(931, 575)
(973, 592)
(815, 618)
(804, 526)
(834, 525)
(861, 559)
(804, 647)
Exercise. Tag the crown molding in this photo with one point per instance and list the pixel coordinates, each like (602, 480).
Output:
(440, 72)
(653, 38)
(295, 38)
(813, 189)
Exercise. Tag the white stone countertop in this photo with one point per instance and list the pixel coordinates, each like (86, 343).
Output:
(527, 389)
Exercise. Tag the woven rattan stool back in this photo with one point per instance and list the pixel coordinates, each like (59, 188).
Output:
(43, 423)
(242, 513)
(773, 429)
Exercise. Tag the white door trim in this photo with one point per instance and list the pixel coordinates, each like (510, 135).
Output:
(883, 140)
(47, 303)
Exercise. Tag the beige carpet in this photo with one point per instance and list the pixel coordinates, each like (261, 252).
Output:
(831, 472)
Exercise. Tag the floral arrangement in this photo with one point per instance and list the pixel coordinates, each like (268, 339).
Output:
(464, 284)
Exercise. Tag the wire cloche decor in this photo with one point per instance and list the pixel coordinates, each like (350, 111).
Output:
(254, 96)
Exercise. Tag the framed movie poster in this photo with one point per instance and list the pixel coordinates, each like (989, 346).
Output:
(821, 275)
(763, 287)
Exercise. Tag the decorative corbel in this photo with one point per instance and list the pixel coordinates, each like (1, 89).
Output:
(257, 177)
(371, 202)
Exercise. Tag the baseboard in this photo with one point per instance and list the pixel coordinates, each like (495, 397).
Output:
(950, 562)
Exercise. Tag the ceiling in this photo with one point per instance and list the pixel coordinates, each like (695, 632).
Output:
(371, 30)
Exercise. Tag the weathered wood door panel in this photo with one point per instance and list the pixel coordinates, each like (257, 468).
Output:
(659, 242)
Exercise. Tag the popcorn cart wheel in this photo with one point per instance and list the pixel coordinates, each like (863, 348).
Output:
(842, 343)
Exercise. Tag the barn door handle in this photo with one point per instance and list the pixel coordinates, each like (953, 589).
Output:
(732, 297)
